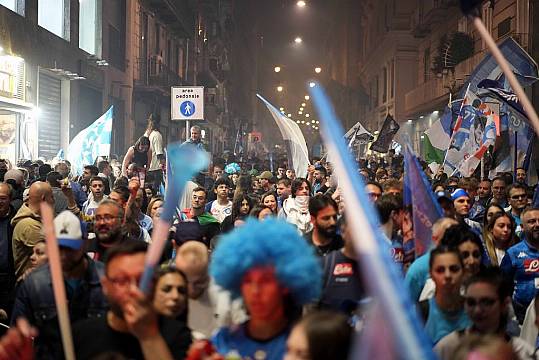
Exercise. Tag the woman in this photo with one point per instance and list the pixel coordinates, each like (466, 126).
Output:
(320, 335)
(261, 212)
(38, 258)
(241, 207)
(170, 296)
(499, 235)
(490, 211)
(487, 303)
(471, 252)
(296, 208)
(155, 204)
(444, 312)
(140, 154)
(269, 200)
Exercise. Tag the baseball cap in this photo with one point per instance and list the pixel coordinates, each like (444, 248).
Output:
(458, 193)
(443, 195)
(266, 175)
(68, 230)
(15, 175)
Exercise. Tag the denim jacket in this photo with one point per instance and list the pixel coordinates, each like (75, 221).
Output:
(35, 301)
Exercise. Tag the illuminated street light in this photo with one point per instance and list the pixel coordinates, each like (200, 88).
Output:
(303, 122)
(301, 108)
(279, 88)
(300, 112)
(307, 97)
(297, 122)
(277, 69)
(308, 124)
(298, 40)
(307, 115)
(301, 3)
(318, 70)
(302, 104)
(289, 115)
(281, 108)
(410, 121)
(312, 84)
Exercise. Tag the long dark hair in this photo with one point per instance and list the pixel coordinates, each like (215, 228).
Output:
(328, 335)
(143, 140)
(236, 205)
(165, 269)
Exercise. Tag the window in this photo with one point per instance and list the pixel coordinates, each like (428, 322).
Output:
(384, 85)
(90, 26)
(392, 79)
(52, 15)
(504, 27)
(426, 64)
(116, 48)
(376, 90)
(14, 5)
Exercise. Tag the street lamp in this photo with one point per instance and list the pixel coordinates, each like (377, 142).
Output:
(301, 108)
(301, 3)
(298, 40)
(289, 115)
(307, 97)
(307, 115)
(300, 112)
(318, 70)
(279, 88)
(302, 104)
(277, 69)
(281, 108)
(312, 84)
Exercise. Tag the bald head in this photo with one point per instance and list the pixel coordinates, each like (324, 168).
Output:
(192, 259)
(440, 226)
(39, 191)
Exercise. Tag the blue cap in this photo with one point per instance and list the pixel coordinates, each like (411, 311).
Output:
(459, 193)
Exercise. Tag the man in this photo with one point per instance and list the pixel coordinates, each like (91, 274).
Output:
(462, 202)
(477, 212)
(281, 173)
(130, 329)
(80, 195)
(196, 223)
(108, 228)
(284, 189)
(522, 176)
(266, 182)
(418, 273)
(15, 178)
(222, 206)
(7, 270)
(323, 237)
(486, 300)
(391, 213)
(143, 220)
(97, 188)
(319, 183)
(520, 263)
(60, 200)
(271, 273)
(105, 172)
(209, 306)
(498, 192)
(518, 200)
(342, 285)
(290, 174)
(27, 225)
(35, 297)
(393, 186)
(196, 138)
(374, 191)
(88, 172)
(155, 172)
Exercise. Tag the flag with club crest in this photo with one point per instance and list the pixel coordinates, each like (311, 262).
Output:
(473, 134)
(91, 142)
(404, 337)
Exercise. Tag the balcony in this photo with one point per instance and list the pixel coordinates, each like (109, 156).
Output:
(177, 14)
(154, 74)
(426, 96)
(429, 13)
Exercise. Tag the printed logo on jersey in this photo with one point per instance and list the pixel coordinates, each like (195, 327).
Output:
(531, 265)
(343, 269)
(521, 254)
(398, 255)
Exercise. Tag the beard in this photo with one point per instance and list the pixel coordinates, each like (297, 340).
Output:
(328, 232)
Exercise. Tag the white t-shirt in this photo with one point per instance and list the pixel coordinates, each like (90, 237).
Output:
(156, 144)
(89, 208)
(220, 212)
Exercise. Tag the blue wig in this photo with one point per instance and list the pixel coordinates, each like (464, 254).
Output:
(269, 242)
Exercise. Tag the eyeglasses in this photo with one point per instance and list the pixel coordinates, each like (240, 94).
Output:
(483, 303)
(105, 218)
(518, 197)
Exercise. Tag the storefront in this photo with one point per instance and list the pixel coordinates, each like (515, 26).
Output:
(18, 137)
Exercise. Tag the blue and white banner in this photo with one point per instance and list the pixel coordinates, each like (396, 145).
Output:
(90, 143)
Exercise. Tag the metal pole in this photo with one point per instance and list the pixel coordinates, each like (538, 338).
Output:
(187, 129)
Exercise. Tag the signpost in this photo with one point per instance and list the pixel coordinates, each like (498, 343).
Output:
(187, 103)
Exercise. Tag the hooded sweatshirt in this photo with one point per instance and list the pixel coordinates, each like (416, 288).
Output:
(26, 233)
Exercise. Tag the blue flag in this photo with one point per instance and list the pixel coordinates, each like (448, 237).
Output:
(418, 195)
(381, 275)
(90, 143)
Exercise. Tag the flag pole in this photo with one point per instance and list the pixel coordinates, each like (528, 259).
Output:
(504, 65)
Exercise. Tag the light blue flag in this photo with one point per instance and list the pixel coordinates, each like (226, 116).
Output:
(380, 274)
(90, 143)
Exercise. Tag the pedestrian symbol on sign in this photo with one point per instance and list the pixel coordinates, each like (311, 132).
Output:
(187, 108)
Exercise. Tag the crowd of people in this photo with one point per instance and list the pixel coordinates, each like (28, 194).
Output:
(259, 264)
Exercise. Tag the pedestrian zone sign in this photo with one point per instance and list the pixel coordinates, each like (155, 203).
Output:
(187, 103)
